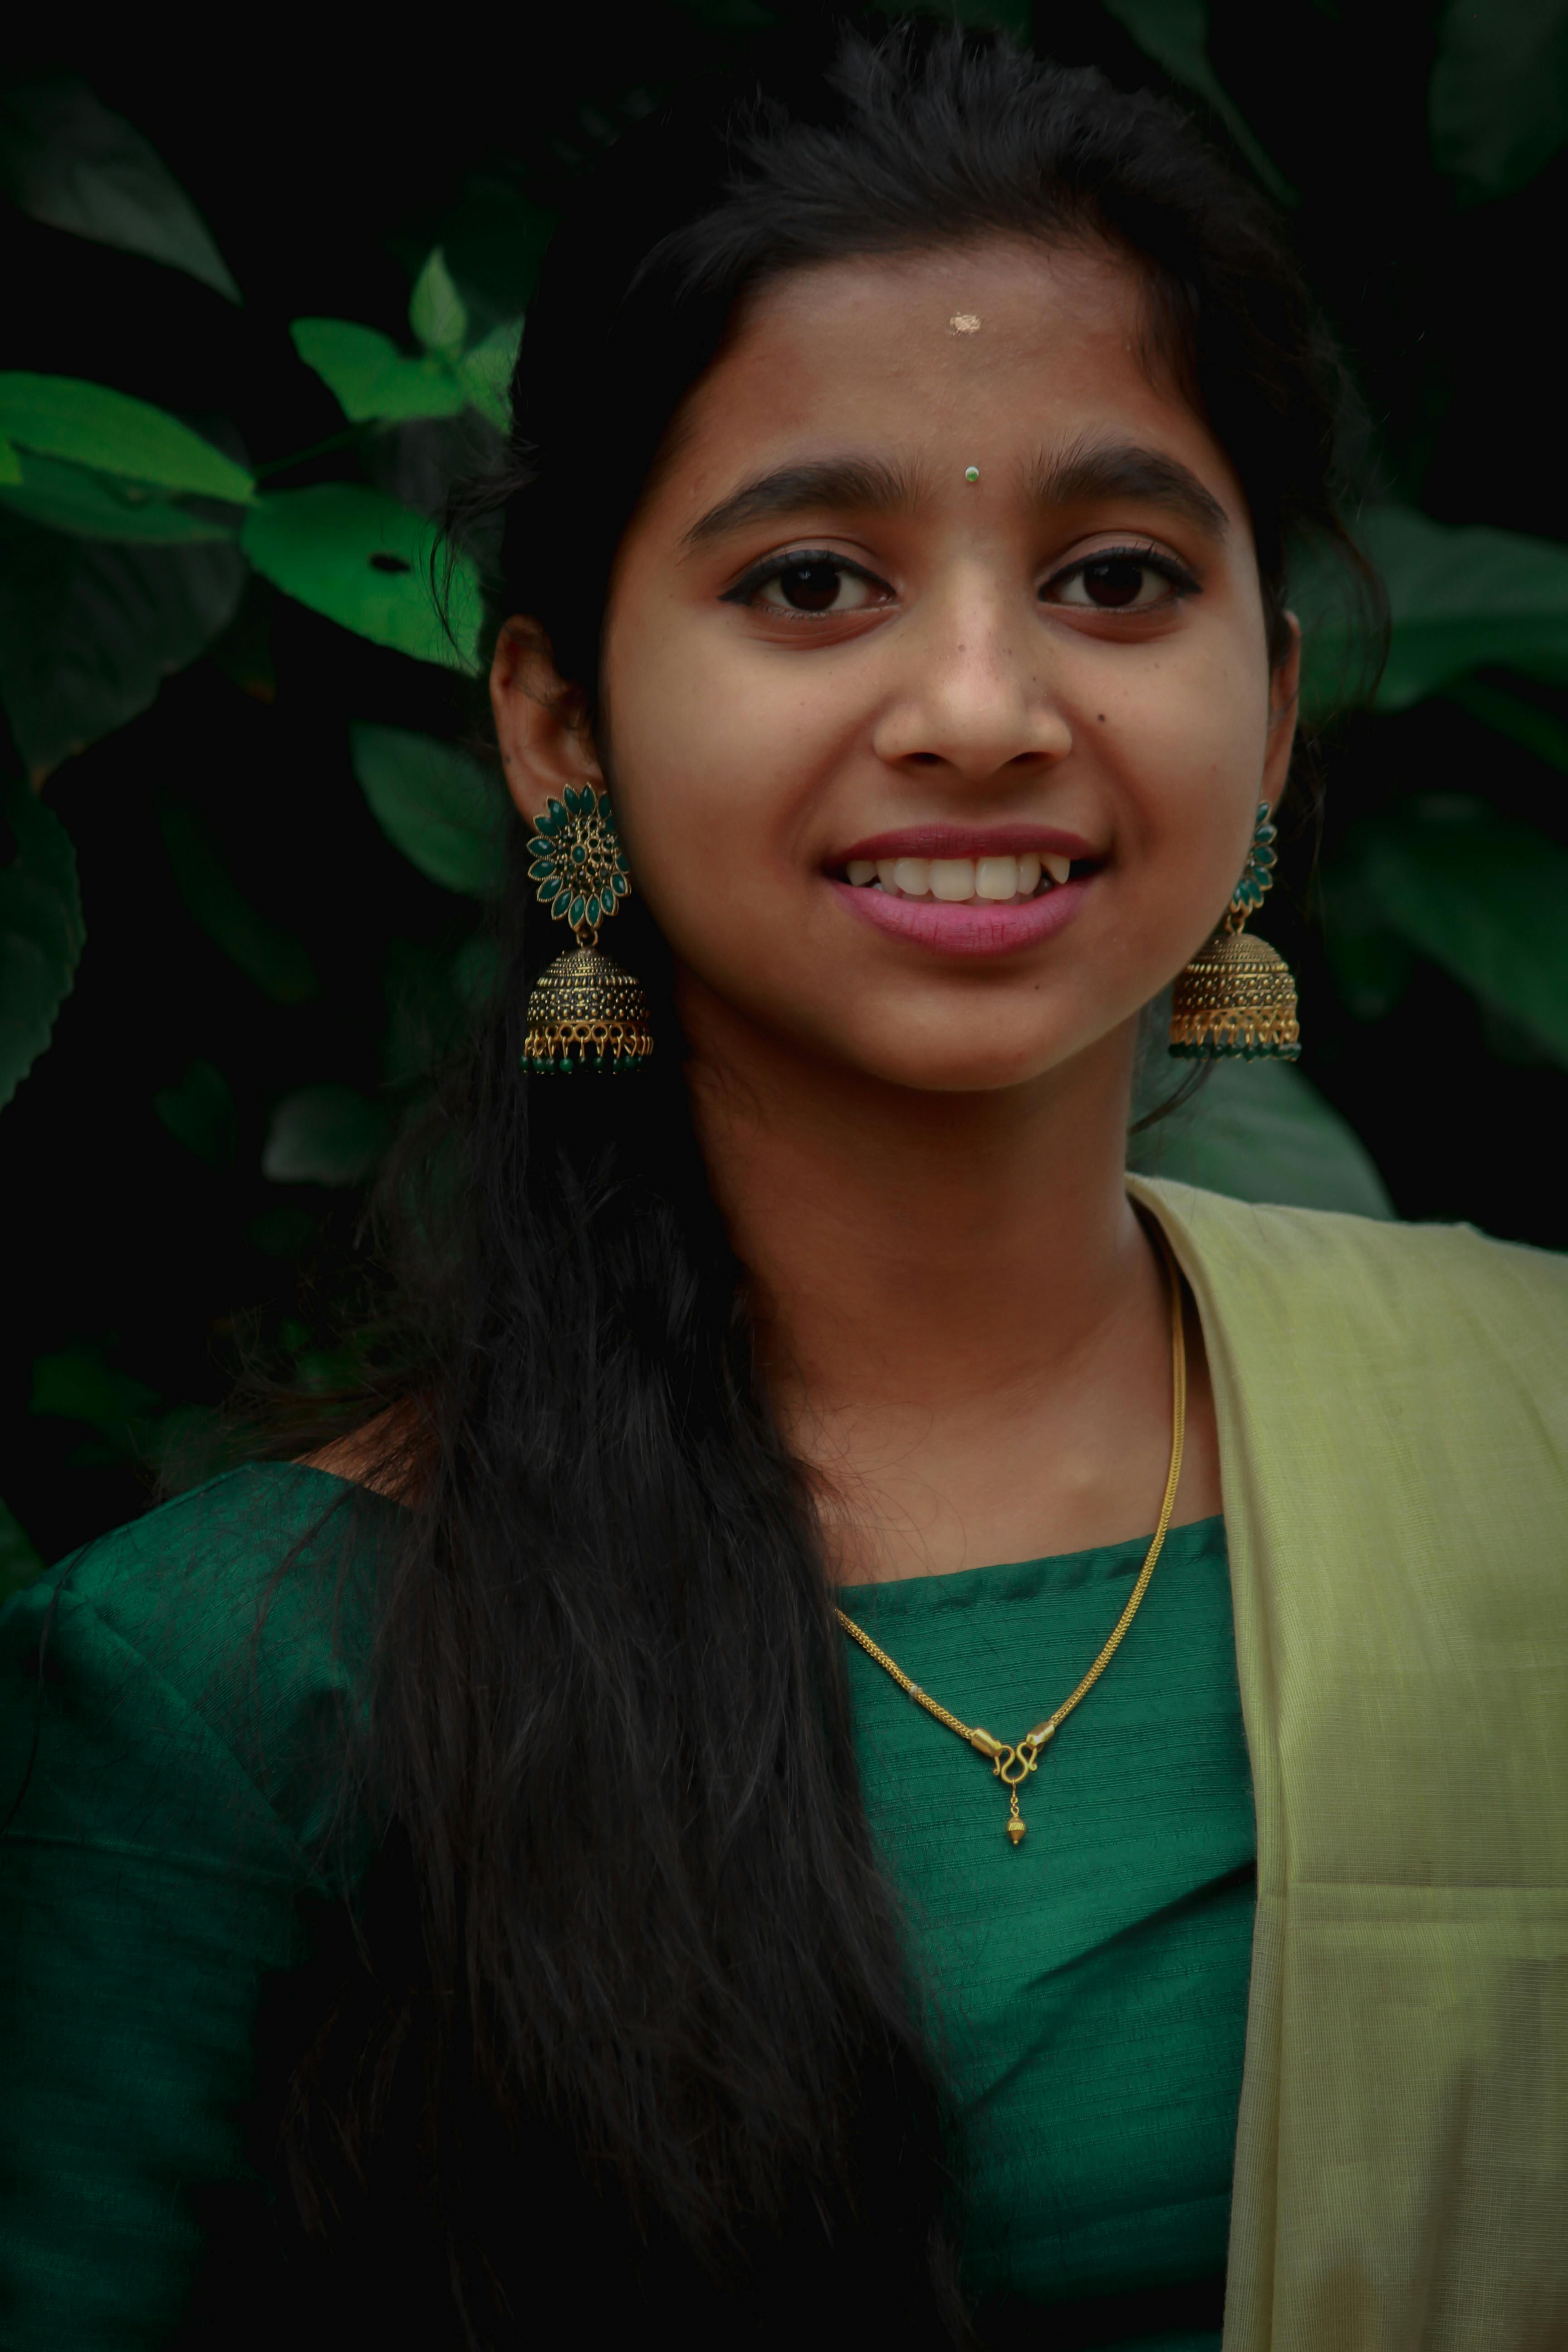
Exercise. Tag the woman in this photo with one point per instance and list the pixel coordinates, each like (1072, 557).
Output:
(494, 1868)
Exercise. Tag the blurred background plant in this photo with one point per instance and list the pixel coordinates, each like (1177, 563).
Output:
(247, 822)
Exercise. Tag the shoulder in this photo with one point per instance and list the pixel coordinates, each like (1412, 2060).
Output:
(1429, 1347)
(1321, 1264)
(231, 1625)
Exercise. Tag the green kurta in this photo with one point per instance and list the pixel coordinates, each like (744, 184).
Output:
(1090, 1985)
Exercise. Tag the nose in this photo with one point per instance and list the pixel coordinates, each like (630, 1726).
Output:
(972, 693)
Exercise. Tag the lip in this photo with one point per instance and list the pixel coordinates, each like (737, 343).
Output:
(968, 841)
(970, 928)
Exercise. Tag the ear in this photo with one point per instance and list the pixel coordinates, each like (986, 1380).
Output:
(1284, 695)
(541, 723)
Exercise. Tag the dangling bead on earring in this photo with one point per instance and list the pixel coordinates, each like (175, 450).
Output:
(1236, 1000)
(582, 1001)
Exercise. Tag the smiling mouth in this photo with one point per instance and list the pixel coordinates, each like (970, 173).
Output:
(998, 881)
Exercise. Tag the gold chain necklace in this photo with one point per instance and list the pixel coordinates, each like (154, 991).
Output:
(1012, 1765)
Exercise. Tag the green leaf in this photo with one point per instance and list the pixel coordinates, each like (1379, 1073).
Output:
(19, 1563)
(1176, 34)
(1462, 599)
(200, 1113)
(441, 808)
(265, 952)
(91, 425)
(486, 372)
(1540, 731)
(363, 561)
(1260, 1132)
(1481, 896)
(370, 378)
(72, 162)
(10, 463)
(88, 631)
(437, 312)
(79, 1383)
(1498, 101)
(325, 1135)
(97, 506)
(41, 932)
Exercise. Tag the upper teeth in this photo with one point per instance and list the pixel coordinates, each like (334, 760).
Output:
(956, 878)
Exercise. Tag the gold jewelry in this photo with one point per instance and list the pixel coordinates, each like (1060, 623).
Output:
(1236, 1000)
(1011, 1765)
(583, 1000)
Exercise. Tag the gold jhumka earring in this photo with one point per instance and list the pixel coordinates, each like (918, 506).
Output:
(1236, 1000)
(583, 1002)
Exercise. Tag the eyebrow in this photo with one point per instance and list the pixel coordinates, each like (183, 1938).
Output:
(1089, 470)
(865, 484)
(1077, 476)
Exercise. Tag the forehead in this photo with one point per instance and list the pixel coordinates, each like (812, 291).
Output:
(1004, 343)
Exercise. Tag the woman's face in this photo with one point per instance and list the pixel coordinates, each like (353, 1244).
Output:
(936, 697)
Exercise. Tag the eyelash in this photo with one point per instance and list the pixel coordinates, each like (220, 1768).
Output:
(772, 567)
(1153, 559)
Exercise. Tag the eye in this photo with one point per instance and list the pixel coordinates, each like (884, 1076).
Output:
(1122, 579)
(808, 583)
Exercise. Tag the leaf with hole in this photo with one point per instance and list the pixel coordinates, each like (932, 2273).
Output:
(439, 807)
(73, 164)
(1260, 1132)
(363, 561)
(371, 379)
(325, 1135)
(41, 930)
(92, 424)
(98, 506)
(1479, 894)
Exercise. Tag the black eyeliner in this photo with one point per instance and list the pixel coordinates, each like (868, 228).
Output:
(773, 567)
(1154, 559)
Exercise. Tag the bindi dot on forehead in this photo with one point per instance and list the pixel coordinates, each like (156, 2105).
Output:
(963, 322)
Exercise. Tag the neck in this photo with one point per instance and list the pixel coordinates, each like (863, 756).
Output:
(916, 1257)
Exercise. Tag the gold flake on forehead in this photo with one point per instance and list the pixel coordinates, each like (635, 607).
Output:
(963, 322)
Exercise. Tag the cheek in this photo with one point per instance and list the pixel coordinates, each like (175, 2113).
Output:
(1188, 738)
(714, 766)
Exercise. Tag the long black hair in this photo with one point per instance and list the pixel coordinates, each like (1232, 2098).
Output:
(630, 1978)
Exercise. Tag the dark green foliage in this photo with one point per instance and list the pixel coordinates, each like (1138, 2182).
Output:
(40, 931)
(223, 670)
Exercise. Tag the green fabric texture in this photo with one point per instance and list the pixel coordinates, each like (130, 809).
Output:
(1089, 1986)
(167, 1775)
(1392, 1409)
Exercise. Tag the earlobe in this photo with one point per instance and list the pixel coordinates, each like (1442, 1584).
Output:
(541, 723)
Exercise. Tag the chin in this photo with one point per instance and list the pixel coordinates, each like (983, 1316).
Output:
(959, 1066)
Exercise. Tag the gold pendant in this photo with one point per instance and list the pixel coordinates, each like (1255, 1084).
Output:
(1013, 1767)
